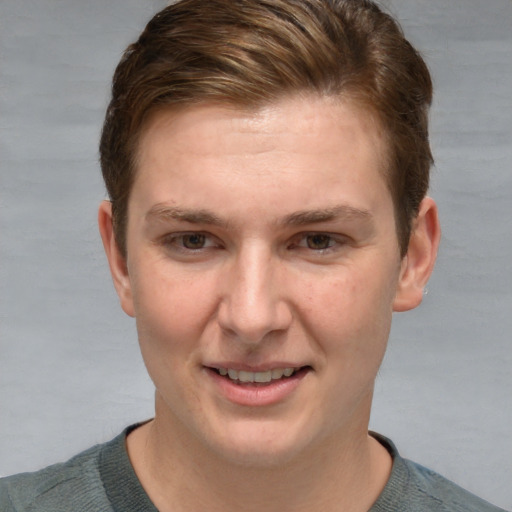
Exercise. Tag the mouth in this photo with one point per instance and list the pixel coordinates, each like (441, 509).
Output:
(257, 387)
(244, 377)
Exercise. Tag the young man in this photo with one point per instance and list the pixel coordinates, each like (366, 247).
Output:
(267, 164)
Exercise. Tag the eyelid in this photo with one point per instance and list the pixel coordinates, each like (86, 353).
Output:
(338, 240)
(174, 242)
(169, 240)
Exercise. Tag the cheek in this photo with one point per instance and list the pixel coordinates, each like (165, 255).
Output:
(171, 315)
(171, 310)
(349, 313)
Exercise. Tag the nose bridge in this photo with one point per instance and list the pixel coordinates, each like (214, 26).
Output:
(253, 305)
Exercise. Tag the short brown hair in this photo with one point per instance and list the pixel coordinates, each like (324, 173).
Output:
(251, 52)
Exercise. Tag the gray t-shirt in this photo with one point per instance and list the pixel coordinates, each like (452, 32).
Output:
(102, 479)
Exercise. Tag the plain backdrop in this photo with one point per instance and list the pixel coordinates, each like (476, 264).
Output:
(70, 371)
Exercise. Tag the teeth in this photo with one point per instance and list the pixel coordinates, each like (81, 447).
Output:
(262, 377)
(277, 373)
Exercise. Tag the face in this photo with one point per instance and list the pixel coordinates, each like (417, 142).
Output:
(263, 267)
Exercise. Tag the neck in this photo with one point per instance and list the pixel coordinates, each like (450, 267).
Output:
(346, 471)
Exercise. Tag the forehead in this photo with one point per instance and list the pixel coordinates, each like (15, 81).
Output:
(197, 128)
(291, 148)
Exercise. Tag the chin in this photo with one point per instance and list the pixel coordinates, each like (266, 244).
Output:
(261, 446)
(259, 457)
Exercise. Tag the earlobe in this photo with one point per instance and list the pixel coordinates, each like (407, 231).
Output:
(418, 263)
(116, 261)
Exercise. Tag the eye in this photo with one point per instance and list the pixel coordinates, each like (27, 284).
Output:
(193, 241)
(319, 244)
(189, 242)
(319, 241)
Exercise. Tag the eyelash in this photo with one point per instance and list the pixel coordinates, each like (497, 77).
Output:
(334, 242)
(177, 242)
(321, 239)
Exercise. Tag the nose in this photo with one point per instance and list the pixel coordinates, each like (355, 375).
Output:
(254, 302)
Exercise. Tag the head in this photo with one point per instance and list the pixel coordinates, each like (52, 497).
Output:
(250, 53)
(267, 163)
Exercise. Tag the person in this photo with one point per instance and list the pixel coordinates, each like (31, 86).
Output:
(267, 164)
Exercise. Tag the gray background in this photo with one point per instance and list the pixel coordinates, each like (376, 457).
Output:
(70, 372)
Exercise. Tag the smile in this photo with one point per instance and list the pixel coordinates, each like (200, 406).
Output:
(256, 377)
(265, 387)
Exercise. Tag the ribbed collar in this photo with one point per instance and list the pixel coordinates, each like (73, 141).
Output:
(391, 495)
(121, 484)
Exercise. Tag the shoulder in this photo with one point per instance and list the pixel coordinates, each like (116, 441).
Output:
(72, 485)
(415, 487)
(443, 494)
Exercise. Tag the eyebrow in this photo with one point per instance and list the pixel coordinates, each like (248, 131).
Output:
(161, 212)
(344, 212)
(192, 216)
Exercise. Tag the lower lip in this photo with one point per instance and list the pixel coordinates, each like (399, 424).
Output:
(259, 394)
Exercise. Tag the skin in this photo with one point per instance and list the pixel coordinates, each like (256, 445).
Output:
(255, 240)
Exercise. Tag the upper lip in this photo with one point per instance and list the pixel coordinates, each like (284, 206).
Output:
(254, 368)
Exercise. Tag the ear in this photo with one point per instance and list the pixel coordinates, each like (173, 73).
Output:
(418, 263)
(116, 261)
